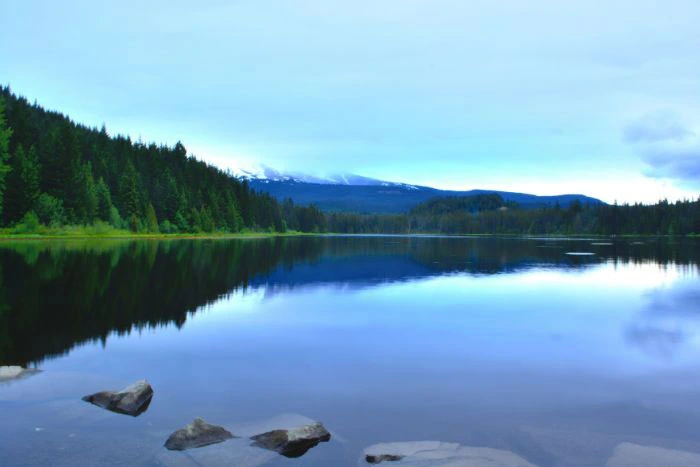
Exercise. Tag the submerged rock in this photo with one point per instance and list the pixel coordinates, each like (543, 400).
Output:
(293, 442)
(396, 451)
(439, 454)
(12, 373)
(132, 400)
(197, 434)
(635, 455)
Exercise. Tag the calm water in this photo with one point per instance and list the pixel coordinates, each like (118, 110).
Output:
(506, 343)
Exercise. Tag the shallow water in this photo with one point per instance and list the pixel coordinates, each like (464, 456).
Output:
(506, 343)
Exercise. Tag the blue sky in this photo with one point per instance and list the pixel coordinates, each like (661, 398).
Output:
(541, 96)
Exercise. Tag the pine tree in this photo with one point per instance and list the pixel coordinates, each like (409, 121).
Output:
(151, 219)
(206, 223)
(104, 200)
(232, 215)
(61, 160)
(89, 194)
(172, 200)
(22, 184)
(129, 197)
(80, 194)
(30, 175)
(5, 135)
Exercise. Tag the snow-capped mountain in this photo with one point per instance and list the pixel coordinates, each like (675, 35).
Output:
(261, 173)
(355, 193)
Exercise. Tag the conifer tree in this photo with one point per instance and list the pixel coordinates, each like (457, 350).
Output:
(104, 200)
(130, 200)
(151, 219)
(22, 184)
(89, 194)
(5, 135)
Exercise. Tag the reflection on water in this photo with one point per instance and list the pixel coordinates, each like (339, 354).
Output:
(505, 343)
(670, 318)
(57, 294)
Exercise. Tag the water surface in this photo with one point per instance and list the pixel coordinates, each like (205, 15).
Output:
(515, 344)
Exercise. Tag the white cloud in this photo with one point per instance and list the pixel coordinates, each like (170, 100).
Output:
(668, 145)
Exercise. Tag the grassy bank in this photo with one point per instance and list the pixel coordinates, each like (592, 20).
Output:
(107, 231)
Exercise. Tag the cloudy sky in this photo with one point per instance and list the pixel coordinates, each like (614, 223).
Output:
(542, 96)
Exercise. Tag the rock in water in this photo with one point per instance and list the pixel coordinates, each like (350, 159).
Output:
(293, 442)
(396, 451)
(132, 400)
(197, 434)
(11, 373)
(439, 454)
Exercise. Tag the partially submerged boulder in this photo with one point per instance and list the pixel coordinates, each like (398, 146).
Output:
(132, 400)
(239, 452)
(439, 454)
(293, 442)
(15, 372)
(197, 434)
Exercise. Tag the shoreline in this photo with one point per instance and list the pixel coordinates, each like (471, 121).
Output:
(261, 235)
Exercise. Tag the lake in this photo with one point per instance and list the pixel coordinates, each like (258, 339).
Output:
(519, 344)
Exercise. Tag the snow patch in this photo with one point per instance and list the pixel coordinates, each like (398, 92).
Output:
(263, 173)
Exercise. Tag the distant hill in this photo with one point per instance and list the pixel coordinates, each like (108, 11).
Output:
(377, 196)
(471, 204)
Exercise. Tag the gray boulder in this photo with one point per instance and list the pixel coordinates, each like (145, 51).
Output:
(293, 442)
(439, 454)
(12, 373)
(132, 400)
(197, 434)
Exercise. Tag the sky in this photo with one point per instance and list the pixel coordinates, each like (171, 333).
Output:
(539, 96)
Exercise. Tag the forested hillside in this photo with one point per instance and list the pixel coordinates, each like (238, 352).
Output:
(67, 173)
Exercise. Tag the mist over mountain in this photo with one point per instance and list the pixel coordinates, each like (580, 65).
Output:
(356, 193)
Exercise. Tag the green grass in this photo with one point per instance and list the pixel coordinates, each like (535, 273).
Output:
(102, 230)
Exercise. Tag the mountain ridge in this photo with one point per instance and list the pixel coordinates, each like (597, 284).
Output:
(356, 193)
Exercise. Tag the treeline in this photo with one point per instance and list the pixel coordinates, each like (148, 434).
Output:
(56, 172)
(489, 214)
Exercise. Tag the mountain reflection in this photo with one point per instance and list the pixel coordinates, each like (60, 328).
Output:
(57, 294)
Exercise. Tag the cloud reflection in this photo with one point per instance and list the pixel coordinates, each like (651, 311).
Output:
(655, 341)
(669, 321)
